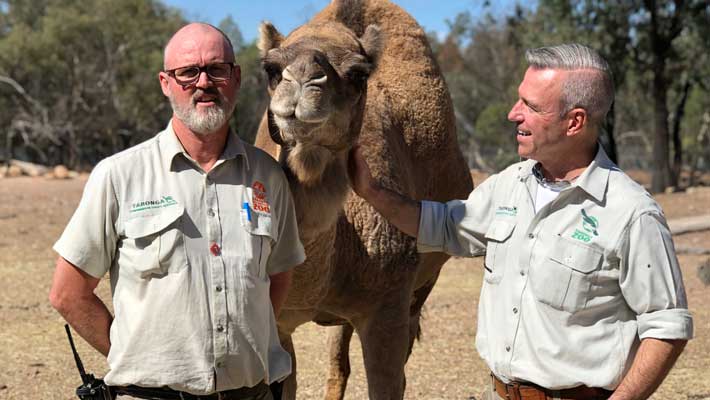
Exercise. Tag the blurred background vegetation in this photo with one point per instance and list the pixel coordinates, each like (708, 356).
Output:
(78, 78)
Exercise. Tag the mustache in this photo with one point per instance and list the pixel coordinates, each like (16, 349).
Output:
(218, 99)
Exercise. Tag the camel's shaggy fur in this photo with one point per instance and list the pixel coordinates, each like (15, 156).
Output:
(360, 72)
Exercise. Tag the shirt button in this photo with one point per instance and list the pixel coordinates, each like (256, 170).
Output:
(530, 236)
(522, 273)
(220, 328)
(219, 288)
(220, 364)
(515, 310)
(214, 249)
(507, 348)
(208, 180)
(210, 212)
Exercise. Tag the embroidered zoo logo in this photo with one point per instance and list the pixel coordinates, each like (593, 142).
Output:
(258, 200)
(589, 228)
(164, 201)
(507, 211)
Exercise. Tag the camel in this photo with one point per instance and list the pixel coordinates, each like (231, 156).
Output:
(359, 72)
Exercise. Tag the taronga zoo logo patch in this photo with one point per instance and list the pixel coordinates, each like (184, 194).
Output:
(507, 211)
(589, 227)
(258, 200)
(164, 201)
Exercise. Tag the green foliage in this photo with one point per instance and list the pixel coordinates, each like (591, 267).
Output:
(253, 97)
(496, 135)
(78, 78)
(483, 61)
(482, 64)
(91, 68)
(231, 29)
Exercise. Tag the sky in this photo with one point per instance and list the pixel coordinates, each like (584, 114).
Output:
(288, 14)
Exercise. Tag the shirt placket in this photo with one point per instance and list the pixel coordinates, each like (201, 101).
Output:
(527, 219)
(217, 272)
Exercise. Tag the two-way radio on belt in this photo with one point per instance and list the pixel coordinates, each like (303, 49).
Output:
(91, 388)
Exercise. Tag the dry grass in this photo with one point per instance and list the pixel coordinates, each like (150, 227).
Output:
(38, 363)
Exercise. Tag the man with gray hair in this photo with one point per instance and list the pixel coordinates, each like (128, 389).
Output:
(198, 232)
(582, 296)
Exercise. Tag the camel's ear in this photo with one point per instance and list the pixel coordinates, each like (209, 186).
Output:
(372, 42)
(269, 38)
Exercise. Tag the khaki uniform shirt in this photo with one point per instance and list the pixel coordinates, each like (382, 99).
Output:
(189, 255)
(567, 291)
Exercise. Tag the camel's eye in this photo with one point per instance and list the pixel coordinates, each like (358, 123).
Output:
(358, 73)
(273, 73)
(356, 68)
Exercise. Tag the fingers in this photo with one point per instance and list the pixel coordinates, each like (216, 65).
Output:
(358, 171)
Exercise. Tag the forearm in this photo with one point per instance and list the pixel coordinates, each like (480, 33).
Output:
(72, 295)
(91, 320)
(399, 210)
(653, 361)
(278, 291)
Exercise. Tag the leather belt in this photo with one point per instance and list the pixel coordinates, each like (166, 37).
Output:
(528, 391)
(170, 394)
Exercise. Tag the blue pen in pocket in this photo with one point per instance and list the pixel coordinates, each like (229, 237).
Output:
(247, 210)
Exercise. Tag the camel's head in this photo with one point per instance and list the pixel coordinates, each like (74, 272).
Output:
(317, 82)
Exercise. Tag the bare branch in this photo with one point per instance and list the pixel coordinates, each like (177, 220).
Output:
(478, 159)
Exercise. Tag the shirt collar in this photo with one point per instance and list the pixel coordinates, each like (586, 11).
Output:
(593, 180)
(171, 146)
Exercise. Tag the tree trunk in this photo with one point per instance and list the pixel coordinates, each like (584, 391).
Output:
(661, 177)
(661, 170)
(607, 138)
(677, 119)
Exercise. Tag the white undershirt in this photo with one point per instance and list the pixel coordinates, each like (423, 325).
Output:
(545, 194)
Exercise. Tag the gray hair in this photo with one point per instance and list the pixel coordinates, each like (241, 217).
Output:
(590, 87)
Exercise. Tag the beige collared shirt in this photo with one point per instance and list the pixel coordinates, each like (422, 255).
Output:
(189, 255)
(568, 291)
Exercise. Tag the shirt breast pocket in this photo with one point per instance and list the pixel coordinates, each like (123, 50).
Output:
(154, 245)
(257, 246)
(564, 279)
(498, 240)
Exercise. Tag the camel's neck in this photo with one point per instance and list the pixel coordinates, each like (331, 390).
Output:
(319, 202)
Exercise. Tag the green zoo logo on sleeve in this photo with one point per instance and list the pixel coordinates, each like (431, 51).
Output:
(589, 228)
(164, 201)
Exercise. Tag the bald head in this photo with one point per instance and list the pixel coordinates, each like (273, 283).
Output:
(191, 38)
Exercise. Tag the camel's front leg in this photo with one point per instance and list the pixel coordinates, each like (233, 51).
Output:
(287, 323)
(339, 353)
(385, 343)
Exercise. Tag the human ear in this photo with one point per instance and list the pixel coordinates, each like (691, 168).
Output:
(163, 78)
(577, 120)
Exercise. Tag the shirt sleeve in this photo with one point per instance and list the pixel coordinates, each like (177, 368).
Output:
(89, 240)
(287, 251)
(457, 227)
(651, 280)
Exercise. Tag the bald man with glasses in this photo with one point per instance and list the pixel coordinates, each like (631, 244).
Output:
(197, 231)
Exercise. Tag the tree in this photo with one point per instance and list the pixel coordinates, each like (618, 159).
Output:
(79, 77)
(253, 96)
(645, 35)
(481, 63)
(231, 29)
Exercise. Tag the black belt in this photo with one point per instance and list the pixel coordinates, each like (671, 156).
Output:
(170, 394)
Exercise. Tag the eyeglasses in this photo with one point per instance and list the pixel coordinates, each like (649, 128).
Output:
(218, 72)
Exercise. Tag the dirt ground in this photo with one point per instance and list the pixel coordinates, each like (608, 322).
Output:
(37, 362)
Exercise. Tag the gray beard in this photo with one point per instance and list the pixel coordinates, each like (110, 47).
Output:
(207, 122)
